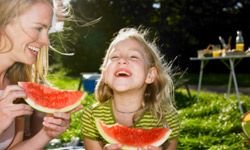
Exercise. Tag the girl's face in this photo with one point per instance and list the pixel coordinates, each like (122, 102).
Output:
(29, 33)
(127, 67)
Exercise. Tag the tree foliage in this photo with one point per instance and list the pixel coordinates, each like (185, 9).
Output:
(182, 27)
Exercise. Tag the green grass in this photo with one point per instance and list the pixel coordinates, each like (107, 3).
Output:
(60, 80)
(212, 123)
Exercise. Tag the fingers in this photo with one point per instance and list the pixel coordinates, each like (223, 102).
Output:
(16, 110)
(14, 95)
(59, 127)
(11, 93)
(55, 126)
(65, 116)
(59, 121)
(76, 109)
(112, 147)
(22, 112)
(17, 107)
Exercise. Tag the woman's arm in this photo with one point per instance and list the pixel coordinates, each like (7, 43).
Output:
(53, 126)
(36, 142)
(19, 131)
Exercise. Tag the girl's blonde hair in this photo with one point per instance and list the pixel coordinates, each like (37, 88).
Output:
(9, 10)
(158, 96)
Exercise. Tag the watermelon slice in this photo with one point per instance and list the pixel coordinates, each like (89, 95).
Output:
(132, 138)
(50, 100)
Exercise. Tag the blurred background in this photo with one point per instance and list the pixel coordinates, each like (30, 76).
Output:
(182, 26)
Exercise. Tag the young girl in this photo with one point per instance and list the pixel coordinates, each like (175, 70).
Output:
(135, 89)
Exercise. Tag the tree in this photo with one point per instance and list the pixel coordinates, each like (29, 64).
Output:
(182, 27)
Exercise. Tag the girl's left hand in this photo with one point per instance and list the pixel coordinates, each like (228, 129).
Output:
(150, 148)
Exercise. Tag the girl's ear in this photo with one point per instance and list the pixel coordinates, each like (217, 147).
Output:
(151, 76)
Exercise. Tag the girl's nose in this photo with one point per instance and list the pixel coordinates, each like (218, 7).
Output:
(123, 60)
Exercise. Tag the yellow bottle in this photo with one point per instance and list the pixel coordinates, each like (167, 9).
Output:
(239, 42)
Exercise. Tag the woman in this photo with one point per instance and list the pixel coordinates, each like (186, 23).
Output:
(24, 26)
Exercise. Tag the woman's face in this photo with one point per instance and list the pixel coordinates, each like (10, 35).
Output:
(29, 33)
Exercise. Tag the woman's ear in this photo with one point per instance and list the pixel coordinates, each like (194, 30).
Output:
(151, 76)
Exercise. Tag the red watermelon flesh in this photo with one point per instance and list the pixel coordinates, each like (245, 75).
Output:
(50, 100)
(132, 138)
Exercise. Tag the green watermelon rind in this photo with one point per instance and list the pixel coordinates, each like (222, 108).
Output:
(127, 147)
(32, 103)
(51, 110)
(245, 126)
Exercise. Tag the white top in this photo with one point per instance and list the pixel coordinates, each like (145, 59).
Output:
(8, 135)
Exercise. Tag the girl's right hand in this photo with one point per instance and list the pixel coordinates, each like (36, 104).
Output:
(112, 147)
(8, 110)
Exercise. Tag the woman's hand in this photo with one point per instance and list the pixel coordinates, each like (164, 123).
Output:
(112, 147)
(8, 110)
(57, 123)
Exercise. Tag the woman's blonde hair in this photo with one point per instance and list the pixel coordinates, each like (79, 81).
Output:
(158, 96)
(9, 10)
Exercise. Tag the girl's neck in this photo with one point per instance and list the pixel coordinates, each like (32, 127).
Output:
(127, 102)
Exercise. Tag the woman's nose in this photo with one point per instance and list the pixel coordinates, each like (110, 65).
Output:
(44, 38)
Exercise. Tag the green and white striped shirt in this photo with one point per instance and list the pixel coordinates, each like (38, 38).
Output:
(105, 113)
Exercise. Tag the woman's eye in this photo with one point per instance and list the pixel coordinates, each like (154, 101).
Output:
(39, 29)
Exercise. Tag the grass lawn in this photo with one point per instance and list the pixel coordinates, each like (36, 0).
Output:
(213, 122)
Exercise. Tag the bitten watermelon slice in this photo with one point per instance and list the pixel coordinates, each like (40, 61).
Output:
(50, 100)
(132, 138)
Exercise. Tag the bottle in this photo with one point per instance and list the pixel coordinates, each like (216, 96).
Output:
(239, 42)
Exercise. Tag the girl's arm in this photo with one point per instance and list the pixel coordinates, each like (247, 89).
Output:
(171, 145)
(92, 144)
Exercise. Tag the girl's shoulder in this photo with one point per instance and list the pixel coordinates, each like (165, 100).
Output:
(102, 111)
(171, 110)
(100, 106)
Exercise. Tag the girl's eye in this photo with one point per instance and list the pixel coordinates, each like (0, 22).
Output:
(113, 57)
(134, 57)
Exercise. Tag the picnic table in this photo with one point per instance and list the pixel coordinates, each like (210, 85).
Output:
(230, 62)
